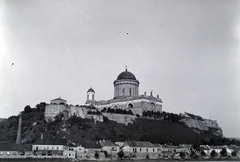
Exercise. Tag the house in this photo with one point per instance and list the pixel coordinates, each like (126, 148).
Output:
(27, 148)
(59, 101)
(183, 148)
(159, 147)
(236, 149)
(140, 150)
(109, 147)
(138, 146)
(89, 150)
(168, 148)
(71, 152)
(80, 152)
(206, 149)
(119, 143)
(47, 144)
(217, 149)
(91, 147)
(10, 149)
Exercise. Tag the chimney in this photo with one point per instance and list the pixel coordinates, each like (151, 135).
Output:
(18, 140)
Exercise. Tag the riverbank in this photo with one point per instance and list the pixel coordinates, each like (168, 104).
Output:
(145, 160)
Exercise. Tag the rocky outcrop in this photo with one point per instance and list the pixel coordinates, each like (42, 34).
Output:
(204, 125)
(193, 123)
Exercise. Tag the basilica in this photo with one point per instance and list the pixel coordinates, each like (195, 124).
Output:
(126, 96)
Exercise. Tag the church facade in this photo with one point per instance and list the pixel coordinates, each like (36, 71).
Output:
(126, 96)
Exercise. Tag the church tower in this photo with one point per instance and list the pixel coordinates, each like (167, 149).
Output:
(90, 94)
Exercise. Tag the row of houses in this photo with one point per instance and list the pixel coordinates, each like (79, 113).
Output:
(229, 149)
(47, 146)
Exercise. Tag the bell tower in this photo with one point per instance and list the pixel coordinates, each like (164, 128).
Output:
(90, 94)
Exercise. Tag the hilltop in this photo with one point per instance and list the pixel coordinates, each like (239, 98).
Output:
(77, 130)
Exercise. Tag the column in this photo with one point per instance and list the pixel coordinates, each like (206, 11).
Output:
(114, 90)
(117, 89)
(132, 87)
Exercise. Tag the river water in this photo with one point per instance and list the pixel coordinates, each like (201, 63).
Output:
(67, 160)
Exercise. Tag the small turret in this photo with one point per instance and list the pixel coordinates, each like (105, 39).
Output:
(90, 94)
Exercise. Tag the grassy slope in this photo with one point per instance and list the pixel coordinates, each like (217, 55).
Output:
(155, 131)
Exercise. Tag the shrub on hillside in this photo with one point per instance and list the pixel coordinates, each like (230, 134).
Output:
(234, 154)
(203, 153)
(223, 152)
(213, 153)
(120, 154)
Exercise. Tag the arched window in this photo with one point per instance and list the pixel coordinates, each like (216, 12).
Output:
(152, 105)
(130, 105)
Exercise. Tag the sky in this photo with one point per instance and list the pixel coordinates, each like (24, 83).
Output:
(188, 52)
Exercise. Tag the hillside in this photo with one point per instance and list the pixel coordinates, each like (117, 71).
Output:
(76, 129)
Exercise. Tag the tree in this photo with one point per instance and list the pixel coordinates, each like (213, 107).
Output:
(213, 153)
(203, 153)
(58, 117)
(182, 154)
(27, 109)
(96, 155)
(106, 154)
(234, 154)
(147, 157)
(120, 154)
(223, 152)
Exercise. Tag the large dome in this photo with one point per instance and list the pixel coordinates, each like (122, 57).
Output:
(126, 75)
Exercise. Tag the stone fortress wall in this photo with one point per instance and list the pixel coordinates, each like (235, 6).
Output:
(51, 110)
(120, 118)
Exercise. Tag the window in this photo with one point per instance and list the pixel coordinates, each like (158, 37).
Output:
(134, 149)
(130, 105)
(123, 91)
(152, 105)
(140, 149)
(57, 148)
(147, 149)
(114, 149)
(130, 91)
(153, 149)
